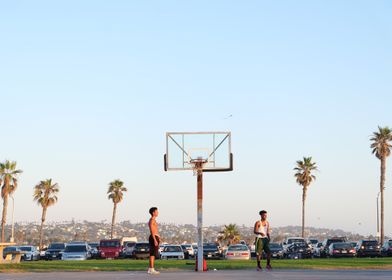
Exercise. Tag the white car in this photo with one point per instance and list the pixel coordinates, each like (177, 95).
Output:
(172, 252)
(190, 249)
(237, 252)
(30, 253)
(76, 252)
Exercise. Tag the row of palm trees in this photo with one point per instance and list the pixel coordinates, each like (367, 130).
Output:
(45, 194)
(381, 148)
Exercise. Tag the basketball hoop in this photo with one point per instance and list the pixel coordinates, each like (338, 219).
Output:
(198, 164)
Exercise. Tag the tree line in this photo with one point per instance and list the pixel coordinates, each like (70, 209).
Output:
(45, 193)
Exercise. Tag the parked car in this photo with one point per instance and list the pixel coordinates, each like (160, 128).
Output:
(291, 240)
(386, 250)
(237, 252)
(298, 251)
(368, 248)
(276, 250)
(128, 248)
(324, 249)
(30, 253)
(110, 248)
(211, 251)
(172, 252)
(76, 252)
(189, 249)
(141, 250)
(10, 249)
(94, 250)
(316, 250)
(55, 251)
(341, 249)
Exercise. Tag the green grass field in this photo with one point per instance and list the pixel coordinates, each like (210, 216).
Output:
(137, 265)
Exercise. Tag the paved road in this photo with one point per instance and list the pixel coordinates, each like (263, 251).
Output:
(213, 275)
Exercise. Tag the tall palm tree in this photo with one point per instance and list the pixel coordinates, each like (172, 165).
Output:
(304, 178)
(116, 192)
(9, 183)
(230, 234)
(45, 194)
(381, 147)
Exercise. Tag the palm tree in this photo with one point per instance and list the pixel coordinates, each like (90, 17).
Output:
(230, 234)
(381, 147)
(116, 192)
(304, 178)
(45, 193)
(8, 183)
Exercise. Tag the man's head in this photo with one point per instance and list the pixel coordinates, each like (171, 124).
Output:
(263, 214)
(153, 212)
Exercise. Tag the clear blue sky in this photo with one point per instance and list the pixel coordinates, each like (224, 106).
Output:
(89, 88)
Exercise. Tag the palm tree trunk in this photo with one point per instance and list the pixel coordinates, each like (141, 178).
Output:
(303, 210)
(113, 219)
(382, 184)
(41, 231)
(4, 217)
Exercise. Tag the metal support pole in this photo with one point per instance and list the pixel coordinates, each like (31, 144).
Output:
(200, 221)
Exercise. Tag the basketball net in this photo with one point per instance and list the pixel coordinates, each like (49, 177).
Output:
(198, 165)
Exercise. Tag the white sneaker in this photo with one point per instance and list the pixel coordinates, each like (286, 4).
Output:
(152, 271)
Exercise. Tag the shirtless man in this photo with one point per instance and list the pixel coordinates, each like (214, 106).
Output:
(262, 231)
(154, 240)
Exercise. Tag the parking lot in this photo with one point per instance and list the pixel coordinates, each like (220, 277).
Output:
(218, 275)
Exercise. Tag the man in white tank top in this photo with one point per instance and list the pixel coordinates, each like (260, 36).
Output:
(262, 231)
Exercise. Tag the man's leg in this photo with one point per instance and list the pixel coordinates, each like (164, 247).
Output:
(152, 259)
(259, 251)
(268, 253)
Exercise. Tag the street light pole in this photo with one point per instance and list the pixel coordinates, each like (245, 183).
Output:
(378, 219)
(12, 227)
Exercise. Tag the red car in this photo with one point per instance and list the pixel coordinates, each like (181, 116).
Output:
(110, 248)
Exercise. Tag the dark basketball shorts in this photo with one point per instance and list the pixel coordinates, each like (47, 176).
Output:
(154, 250)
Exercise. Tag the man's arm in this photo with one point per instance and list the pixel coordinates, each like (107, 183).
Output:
(268, 231)
(256, 228)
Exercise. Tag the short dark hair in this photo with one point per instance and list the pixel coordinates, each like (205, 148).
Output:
(262, 212)
(152, 210)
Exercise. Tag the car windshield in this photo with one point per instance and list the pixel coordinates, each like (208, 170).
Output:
(186, 246)
(210, 247)
(76, 248)
(93, 245)
(57, 246)
(171, 249)
(142, 246)
(110, 244)
(295, 240)
(238, 248)
(25, 248)
(342, 245)
(369, 243)
(131, 244)
(11, 249)
(275, 246)
(313, 241)
(330, 241)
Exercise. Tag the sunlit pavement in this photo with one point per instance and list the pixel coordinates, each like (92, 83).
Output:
(227, 274)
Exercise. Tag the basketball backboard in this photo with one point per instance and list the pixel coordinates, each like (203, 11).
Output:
(182, 148)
